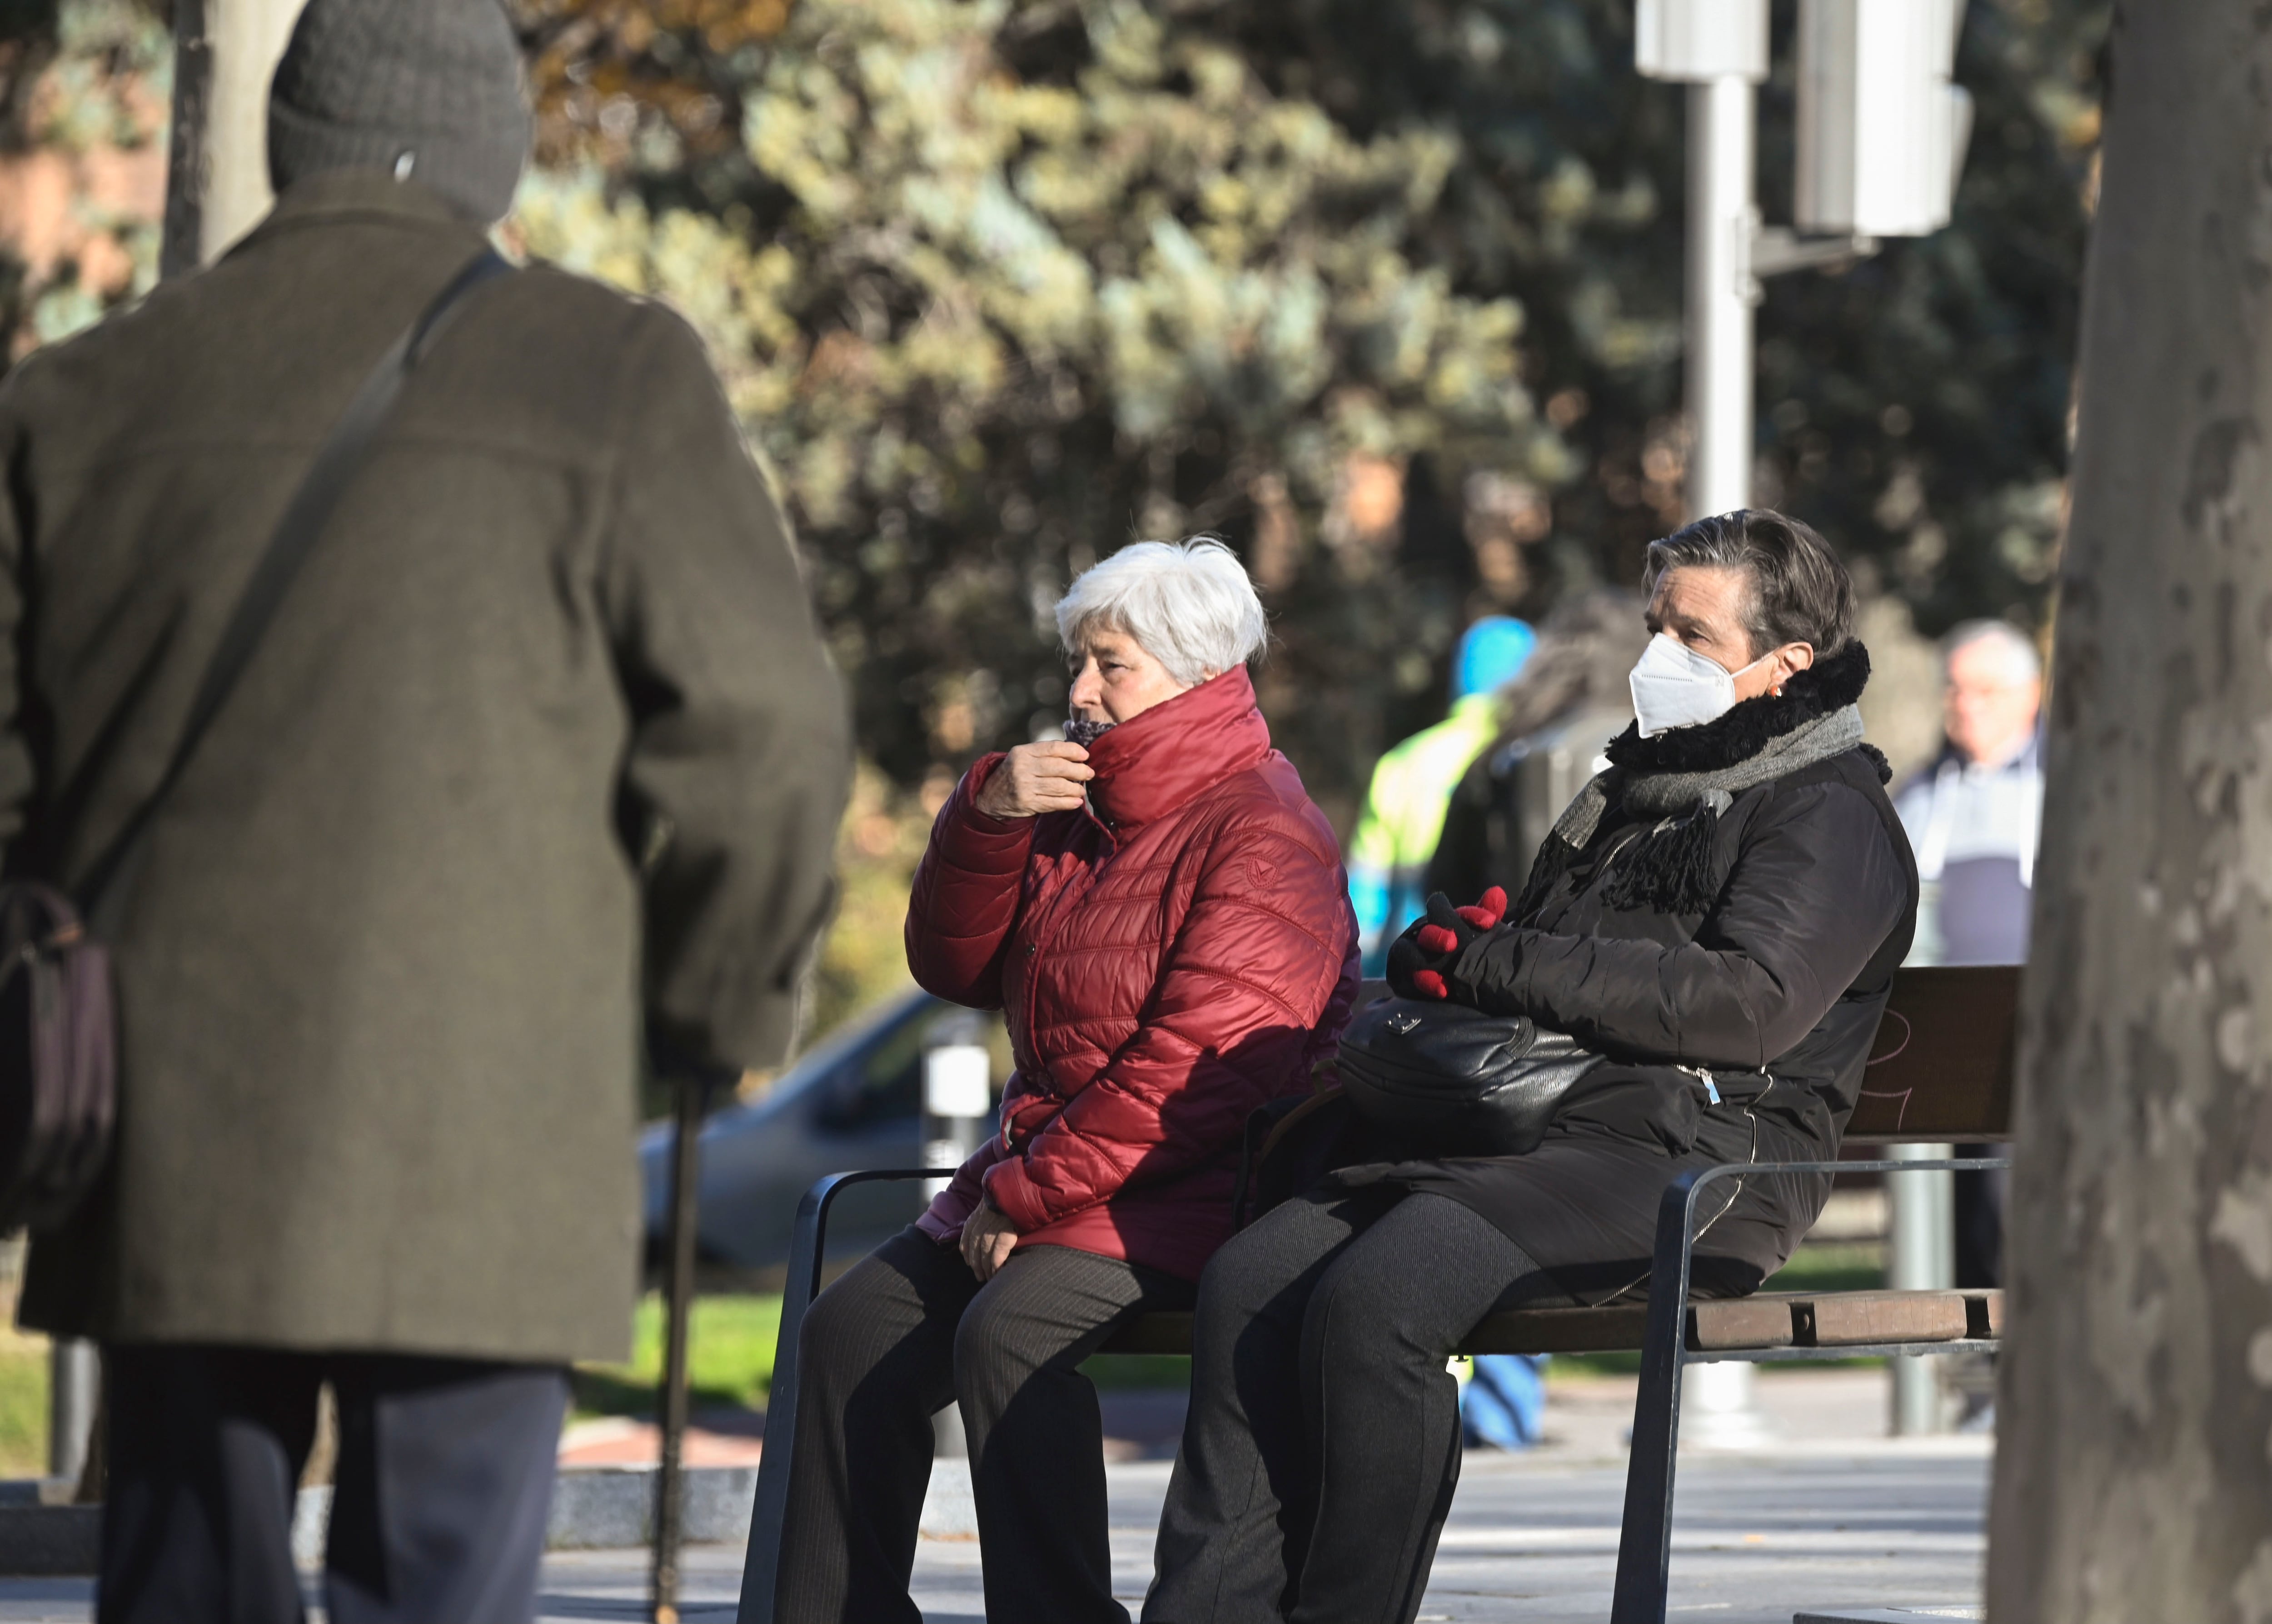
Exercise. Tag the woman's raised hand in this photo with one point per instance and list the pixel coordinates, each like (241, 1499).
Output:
(1034, 779)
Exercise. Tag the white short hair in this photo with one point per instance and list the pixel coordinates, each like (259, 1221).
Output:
(2021, 662)
(1188, 602)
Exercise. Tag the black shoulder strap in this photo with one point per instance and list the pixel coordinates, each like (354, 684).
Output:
(295, 537)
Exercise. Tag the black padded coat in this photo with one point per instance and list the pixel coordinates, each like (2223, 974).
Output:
(1768, 998)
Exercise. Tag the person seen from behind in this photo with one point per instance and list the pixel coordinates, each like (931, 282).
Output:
(1553, 721)
(1403, 813)
(1503, 1402)
(538, 753)
(1719, 916)
(1162, 915)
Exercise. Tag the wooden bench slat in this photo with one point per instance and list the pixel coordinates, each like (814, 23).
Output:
(1740, 1322)
(1844, 1319)
(1770, 1320)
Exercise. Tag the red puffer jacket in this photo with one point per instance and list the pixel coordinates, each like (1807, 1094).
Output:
(1169, 958)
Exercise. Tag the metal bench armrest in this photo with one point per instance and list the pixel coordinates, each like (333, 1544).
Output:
(770, 1510)
(1645, 1546)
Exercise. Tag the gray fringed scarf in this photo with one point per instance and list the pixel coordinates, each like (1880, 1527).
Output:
(1669, 868)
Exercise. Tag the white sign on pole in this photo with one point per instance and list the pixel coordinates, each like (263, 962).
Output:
(958, 1081)
(1692, 41)
(1881, 128)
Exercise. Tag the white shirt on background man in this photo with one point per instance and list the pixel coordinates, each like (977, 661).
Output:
(1974, 817)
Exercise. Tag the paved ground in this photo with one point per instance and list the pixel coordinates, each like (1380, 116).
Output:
(1841, 1518)
(1754, 1543)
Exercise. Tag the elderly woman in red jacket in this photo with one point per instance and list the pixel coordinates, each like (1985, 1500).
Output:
(1160, 913)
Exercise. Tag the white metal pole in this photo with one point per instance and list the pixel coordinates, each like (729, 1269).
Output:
(75, 1378)
(1921, 1256)
(225, 53)
(1723, 218)
(958, 1094)
(1722, 1407)
(249, 37)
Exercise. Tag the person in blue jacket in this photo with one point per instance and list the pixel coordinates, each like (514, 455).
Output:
(1404, 815)
(1503, 1402)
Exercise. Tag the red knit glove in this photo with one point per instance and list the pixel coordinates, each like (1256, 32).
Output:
(1418, 960)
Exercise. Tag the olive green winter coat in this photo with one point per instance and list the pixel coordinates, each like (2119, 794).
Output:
(384, 968)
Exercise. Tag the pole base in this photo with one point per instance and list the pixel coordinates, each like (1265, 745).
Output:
(1719, 1409)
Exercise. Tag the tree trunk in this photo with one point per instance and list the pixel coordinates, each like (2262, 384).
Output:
(225, 52)
(2132, 1480)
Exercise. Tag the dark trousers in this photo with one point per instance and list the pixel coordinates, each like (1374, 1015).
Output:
(440, 1498)
(1980, 1199)
(908, 1331)
(1323, 1442)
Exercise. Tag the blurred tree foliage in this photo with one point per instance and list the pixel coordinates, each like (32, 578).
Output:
(1389, 293)
(1000, 288)
(84, 87)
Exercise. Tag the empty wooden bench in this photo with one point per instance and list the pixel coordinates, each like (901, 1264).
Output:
(1943, 1072)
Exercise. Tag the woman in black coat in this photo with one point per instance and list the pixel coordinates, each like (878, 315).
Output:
(1719, 915)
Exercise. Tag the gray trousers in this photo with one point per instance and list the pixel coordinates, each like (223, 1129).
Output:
(906, 1331)
(1323, 1442)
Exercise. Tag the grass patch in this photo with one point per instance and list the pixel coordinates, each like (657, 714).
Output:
(730, 1359)
(23, 1412)
(1126, 1372)
(1560, 1366)
(1838, 1265)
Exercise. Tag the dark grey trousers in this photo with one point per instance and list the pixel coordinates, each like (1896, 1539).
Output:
(443, 1488)
(908, 1331)
(1323, 1442)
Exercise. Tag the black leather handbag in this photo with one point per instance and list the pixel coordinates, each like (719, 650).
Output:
(1457, 1081)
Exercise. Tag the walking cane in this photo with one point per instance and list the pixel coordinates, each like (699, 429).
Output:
(691, 1103)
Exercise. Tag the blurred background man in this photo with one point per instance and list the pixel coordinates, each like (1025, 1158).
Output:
(1974, 816)
(539, 751)
(1403, 811)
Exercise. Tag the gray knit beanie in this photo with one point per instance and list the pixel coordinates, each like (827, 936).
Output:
(427, 90)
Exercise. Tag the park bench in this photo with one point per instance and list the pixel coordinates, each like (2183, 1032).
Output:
(1943, 1072)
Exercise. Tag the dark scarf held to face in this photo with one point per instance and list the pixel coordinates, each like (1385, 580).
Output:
(1687, 777)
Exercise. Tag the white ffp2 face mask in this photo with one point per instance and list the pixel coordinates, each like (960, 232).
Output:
(1674, 686)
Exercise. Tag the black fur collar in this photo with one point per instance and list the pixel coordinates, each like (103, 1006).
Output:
(1826, 686)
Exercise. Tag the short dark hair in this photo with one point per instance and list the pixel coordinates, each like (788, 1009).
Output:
(1800, 593)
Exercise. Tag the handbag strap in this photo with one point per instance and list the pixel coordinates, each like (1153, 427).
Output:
(295, 537)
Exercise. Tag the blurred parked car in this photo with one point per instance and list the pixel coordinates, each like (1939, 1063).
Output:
(853, 1100)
